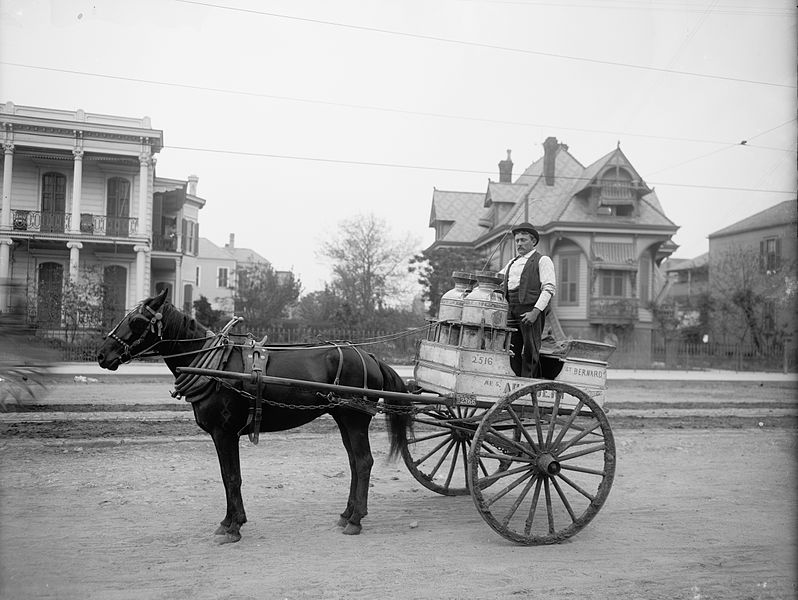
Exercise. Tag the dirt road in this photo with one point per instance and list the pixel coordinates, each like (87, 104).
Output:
(693, 513)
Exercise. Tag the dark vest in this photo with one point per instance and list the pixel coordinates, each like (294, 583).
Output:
(529, 288)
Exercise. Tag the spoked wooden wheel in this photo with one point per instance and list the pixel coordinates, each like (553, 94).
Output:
(562, 463)
(436, 455)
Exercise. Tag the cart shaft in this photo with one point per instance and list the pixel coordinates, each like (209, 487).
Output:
(446, 400)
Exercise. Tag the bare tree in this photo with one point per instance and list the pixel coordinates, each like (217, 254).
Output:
(750, 296)
(369, 265)
(262, 294)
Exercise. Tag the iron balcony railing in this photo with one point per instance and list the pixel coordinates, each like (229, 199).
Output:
(56, 222)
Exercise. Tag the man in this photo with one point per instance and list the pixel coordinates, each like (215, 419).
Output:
(529, 285)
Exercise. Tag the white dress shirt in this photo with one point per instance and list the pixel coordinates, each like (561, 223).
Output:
(548, 283)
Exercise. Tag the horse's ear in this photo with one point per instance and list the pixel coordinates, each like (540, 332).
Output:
(163, 296)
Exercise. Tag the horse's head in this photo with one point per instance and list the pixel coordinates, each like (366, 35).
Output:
(138, 331)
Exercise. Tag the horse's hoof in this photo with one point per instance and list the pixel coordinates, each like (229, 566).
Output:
(221, 530)
(342, 522)
(352, 529)
(228, 538)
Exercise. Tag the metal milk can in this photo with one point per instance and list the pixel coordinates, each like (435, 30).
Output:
(486, 304)
(451, 305)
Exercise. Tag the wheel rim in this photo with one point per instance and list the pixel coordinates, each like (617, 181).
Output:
(436, 455)
(559, 454)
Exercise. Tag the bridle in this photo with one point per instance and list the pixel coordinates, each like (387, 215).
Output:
(155, 326)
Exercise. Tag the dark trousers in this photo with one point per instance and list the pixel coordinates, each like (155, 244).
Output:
(525, 341)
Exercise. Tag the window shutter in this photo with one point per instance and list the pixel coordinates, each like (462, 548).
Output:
(777, 258)
(184, 238)
(196, 239)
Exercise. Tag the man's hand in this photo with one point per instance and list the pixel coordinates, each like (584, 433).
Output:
(530, 317)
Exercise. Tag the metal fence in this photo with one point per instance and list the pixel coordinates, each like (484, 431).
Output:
(393, 347)
(682, 355)
(400, 348)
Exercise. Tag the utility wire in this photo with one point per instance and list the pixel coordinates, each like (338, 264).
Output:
(188, 86)
(483, 45)
(439, 169)
(682, 7)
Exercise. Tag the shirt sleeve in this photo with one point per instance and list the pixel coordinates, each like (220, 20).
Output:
(548, 282)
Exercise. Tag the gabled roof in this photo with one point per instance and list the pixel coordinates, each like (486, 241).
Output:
(781, 214)
(614, 158)
(504, 192)
(463, 209)
(209, 250)
(547, 202)
(246, 255)
(545, 206)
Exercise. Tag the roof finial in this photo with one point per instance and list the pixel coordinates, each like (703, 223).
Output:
(618, 146)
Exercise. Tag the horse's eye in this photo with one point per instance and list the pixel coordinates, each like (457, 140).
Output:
(138, 325)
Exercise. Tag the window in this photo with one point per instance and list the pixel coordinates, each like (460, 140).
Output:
(190, 237)
(53, 202)
(221, 279)
(568, 280)
(770, 254)
(612, 283)
(615, 211)
(118, 207)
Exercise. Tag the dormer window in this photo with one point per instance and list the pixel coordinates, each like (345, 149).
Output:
(616, 193)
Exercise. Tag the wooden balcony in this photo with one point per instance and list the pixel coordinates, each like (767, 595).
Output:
(165, 243)
(53, 222)
(614, 193)
(613, 311)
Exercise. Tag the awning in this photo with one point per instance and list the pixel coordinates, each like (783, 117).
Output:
(614, 255)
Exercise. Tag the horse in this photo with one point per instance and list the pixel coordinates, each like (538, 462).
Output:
(225, 411)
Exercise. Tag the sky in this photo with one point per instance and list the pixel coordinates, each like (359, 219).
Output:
(297, 115)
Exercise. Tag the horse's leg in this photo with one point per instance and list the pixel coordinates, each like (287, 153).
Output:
(350, 503)
(354, 433)
(230, 464)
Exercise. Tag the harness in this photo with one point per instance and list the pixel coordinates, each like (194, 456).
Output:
(215, 355)
(255, 356)
(155, 326)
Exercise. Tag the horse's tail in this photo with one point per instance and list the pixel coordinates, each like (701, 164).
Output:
(398, 415)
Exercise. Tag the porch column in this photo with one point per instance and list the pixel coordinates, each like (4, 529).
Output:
(74, 260)
(8, 168)
(5, 271)
(141, 261)
(5, 224)
(144, 186)
(77, 186)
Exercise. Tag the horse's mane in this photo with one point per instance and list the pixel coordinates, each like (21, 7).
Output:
(180, 326)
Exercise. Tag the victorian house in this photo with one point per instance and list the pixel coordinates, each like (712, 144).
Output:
(602, 225)
(80, 194)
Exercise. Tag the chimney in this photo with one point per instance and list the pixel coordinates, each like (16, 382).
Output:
(506, 169)
(192, 184)
(550, 147)
(232, 243)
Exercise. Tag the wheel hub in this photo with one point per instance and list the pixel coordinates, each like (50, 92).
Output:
(548, 464)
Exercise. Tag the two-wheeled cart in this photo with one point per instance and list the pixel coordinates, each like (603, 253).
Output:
(536, 455)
